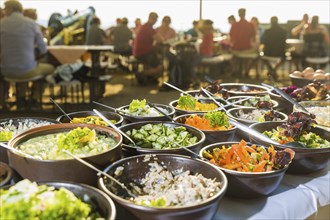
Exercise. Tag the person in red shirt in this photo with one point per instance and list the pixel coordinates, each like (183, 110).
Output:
(144, 50)
(242, 33)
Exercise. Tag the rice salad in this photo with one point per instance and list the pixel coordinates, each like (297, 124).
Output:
(161, 188)
(10, 128)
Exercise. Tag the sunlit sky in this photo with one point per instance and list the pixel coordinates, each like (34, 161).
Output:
(183, 12)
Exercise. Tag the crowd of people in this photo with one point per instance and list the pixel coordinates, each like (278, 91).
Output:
(22, 42)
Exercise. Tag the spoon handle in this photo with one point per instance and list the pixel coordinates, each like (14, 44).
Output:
(176, 88)
(15, 150)
(59, 107)
(160, 111)
(287, 97)
(113, 126)
(251, 131)
(99, 171)
(109, 107)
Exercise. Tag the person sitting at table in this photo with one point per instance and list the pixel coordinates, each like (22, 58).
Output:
(121, 37)
(18, 38)
(298, 31)
(274, 44)
(145, 51)
(165, 31)
(204, 50)
(95, 34)
(193, 32)
(316, 40)
(259, 33)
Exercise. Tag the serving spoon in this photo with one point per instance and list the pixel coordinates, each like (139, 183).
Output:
(287, 97)
(109, 107)
(113, 126)
(255, 133)
(99, 172)
(16, 151)
(59, 107)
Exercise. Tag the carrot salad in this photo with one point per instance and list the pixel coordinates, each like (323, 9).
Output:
(205, 124)
(244, 158)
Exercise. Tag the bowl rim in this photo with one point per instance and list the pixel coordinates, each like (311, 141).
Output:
(252, 108)
(291, 75)
(9, 174)
(121, 119)
(65, 126)
(266, 173)
(275, 103)
(222, 190)
(297, 150)
(141, 123)
(245, 84)
(172, 111)
(186, 115)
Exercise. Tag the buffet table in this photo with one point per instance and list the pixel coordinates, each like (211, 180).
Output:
(297, 197)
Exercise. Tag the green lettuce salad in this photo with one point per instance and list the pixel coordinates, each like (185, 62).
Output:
(27, 200)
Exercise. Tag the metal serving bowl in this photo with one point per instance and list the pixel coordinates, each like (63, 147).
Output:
(211, 136)
(241, 89)
(248, 184)
(6, 174)
(301, 82)
(132, 118)
(16, 123)
(134, 150)
(234, 113)
(64, 170)
(306, 160)
(109, 115)
(136, 168)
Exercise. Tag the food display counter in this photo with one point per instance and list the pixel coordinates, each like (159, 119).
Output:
(297, 197)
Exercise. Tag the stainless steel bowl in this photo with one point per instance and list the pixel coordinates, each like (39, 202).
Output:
(241, 89)
(64, 170)
(136, 167)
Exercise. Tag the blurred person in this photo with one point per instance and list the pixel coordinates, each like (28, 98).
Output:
(298, 30)
(193, 32)
(109, 30)
(242, 34)
(32, 13)
(138, 24)
(18, 37)
(144, 50)
(165, 31)
(274, 44)
(231, 19)
(316, 40)
(259, 33)
(95, 34)
(121, 36)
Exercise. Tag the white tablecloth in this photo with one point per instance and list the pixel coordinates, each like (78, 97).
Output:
(297, 197)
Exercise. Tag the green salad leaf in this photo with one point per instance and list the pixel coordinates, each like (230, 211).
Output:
(136, 105)
(187, 100)
(6, 135)
(76, 138)
(27, 200)
(218, 118)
